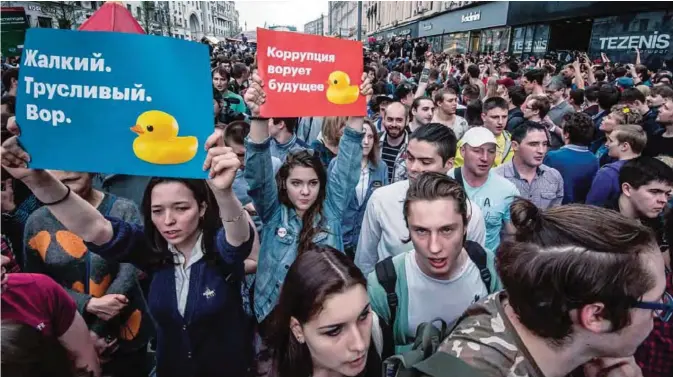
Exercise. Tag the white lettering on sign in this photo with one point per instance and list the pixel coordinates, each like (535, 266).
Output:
(426, 26)
(299, 56)
(642, 42)
(472, 16)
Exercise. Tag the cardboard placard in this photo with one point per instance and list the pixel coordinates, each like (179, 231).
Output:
(309, 75)
(114, 103)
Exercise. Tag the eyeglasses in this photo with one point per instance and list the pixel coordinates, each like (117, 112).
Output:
(662, 309)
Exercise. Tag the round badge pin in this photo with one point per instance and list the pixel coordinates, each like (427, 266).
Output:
(282, 232)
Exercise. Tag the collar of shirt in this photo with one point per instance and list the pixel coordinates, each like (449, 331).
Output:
(511, 172)
(578, 148)
(561, 105)
(289, 143)
(197, 254)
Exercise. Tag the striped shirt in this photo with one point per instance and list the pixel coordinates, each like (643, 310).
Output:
(389, 155)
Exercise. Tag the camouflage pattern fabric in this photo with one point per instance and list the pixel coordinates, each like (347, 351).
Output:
(485, 339)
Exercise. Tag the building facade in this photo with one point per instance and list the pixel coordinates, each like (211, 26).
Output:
(383, 19)
(55, 14)
(318, 26)
(197, 19)
(180, 19)
(343, 19)
(526, 29)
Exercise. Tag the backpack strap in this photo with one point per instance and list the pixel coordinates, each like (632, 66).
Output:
(458, 176)
(387, 277)
(508, 146)
(479, 257)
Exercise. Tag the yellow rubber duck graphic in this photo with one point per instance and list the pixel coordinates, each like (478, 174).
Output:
(340, 91)
(158, 141)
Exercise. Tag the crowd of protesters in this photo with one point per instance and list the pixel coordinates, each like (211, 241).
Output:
(528, 204)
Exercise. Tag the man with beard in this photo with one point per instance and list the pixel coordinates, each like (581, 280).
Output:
(431, 149)
(394, 139)
(446, 102)
(537, 182)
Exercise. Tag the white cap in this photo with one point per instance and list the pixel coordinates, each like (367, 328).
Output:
(478, 136)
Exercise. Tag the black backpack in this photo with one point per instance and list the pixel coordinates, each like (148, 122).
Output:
(387, 277)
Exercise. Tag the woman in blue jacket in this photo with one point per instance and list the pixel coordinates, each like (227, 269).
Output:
(194, 240)
(302, 206)
(373, 174)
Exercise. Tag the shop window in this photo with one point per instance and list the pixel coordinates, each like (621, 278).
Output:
(494, 40)
(540, 40)
(456, 43)
(44, 22)
(518, 40)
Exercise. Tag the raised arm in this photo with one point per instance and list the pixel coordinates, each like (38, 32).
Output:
(222, 164)
(423, 82)
(259, 166)
(345, 173)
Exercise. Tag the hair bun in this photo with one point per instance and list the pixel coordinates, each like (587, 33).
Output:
(526, 218)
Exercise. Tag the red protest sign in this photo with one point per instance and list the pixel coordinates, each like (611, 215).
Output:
(309, 75)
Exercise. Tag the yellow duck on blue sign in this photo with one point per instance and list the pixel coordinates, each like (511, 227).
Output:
(158, 141)
(340, 91)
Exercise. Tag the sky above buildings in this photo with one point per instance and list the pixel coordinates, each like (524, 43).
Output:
(294, 13)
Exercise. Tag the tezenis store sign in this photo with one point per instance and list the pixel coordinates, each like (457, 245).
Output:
(615, 36)
(654, 41)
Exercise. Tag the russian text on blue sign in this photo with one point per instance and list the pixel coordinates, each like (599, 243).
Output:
(114, 103)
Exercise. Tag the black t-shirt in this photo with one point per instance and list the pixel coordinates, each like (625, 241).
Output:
(659, 145)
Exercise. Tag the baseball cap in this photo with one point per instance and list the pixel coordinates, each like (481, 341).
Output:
(478, 136)
(625, 82)
(506, 82)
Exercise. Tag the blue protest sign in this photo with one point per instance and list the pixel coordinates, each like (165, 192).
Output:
(114, 103)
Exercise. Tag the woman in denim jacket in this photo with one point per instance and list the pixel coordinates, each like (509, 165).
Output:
(373, 174)
(302, 205)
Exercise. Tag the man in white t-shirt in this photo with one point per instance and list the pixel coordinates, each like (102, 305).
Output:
(431, 148)
(440, 277)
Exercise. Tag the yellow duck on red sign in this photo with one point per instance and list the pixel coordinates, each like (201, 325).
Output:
(340, 91)
(158, 141)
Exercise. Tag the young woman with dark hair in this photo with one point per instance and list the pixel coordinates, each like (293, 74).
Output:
(193, 243)
(303, 205)
(373, 174)
(323, 324)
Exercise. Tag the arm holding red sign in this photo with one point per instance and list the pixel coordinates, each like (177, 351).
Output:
(345, 172)
(259, 173)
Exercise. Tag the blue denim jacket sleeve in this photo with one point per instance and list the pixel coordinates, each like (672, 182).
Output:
(261, 178)
(344, 174)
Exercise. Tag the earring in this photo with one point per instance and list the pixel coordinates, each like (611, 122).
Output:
(300, 339)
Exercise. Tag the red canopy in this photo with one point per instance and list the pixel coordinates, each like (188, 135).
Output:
(112, 16)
